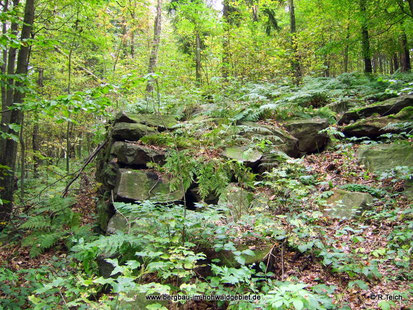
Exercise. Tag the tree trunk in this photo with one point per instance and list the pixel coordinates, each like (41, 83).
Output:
(405, 54)
(198, 58)
(4, 54)
(225, 42)
(35, 136)
(11, 66)
(22, 161)
(295, 64)
(10, 152)
(396, 62)
(346, 48)
(365, 40)
(153, 59)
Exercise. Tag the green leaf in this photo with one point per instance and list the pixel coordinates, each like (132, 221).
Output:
(298, 304)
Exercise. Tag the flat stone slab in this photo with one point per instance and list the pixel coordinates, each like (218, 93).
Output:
(132, 154)
(280, 139)
(131, 131)
(139, 185)
(153, 120)
(346, 204)
(382, 157)
(387, 107)
(243, 154)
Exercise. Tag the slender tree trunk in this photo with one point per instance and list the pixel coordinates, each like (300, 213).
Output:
(121, 45)
(381, 66)
(10, 152)
(346, 48)
(4, 54)
(35, 136)
(22, 161)
(153, 59)
(405, 54)
(132, 44)
(365, 39)
(225, 41)
(198, 58)
(69, 86)
(295, 64)
(395, 62)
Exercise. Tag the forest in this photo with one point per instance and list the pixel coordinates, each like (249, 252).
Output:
(206, 154)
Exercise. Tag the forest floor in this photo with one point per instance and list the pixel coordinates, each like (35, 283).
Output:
(371, 237)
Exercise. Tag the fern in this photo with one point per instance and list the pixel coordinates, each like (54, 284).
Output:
(107, 245)
(37, 222)
(48, 240)
(53, 222)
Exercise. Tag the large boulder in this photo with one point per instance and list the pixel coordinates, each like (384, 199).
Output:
(344, 204)
(131, 131)
(279, 138)
(132, 154)
(152, 120)
(249, 156)
(388, 107)
(382, 157)
(138, 185)
(373, 127)
(307, 131)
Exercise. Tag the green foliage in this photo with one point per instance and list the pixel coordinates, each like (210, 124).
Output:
(210, 174)
(376, 192)
(294, 296)
(15, 294)
(52, 223)
(290, 182)
(397, 173)
(153, 246)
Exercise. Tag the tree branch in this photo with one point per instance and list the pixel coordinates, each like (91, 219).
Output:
(87, 162)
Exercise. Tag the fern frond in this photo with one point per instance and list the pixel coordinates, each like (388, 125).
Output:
(270, 107)
(29, 240)
(37, 222)
(48, 240)
(35, 251)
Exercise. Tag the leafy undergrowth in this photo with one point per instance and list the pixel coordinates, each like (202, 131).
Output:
(307, 260)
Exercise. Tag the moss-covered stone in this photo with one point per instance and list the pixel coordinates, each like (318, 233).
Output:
(406, 114)
(379, 158)
(131, 131)
(388, 107)
(281, 140)
(138, 185)
(373, 127)
(243, 154)
(310, 140)
(136, 155)
(104, 212)
(345, 204)
(117, 223)
(152, 120)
